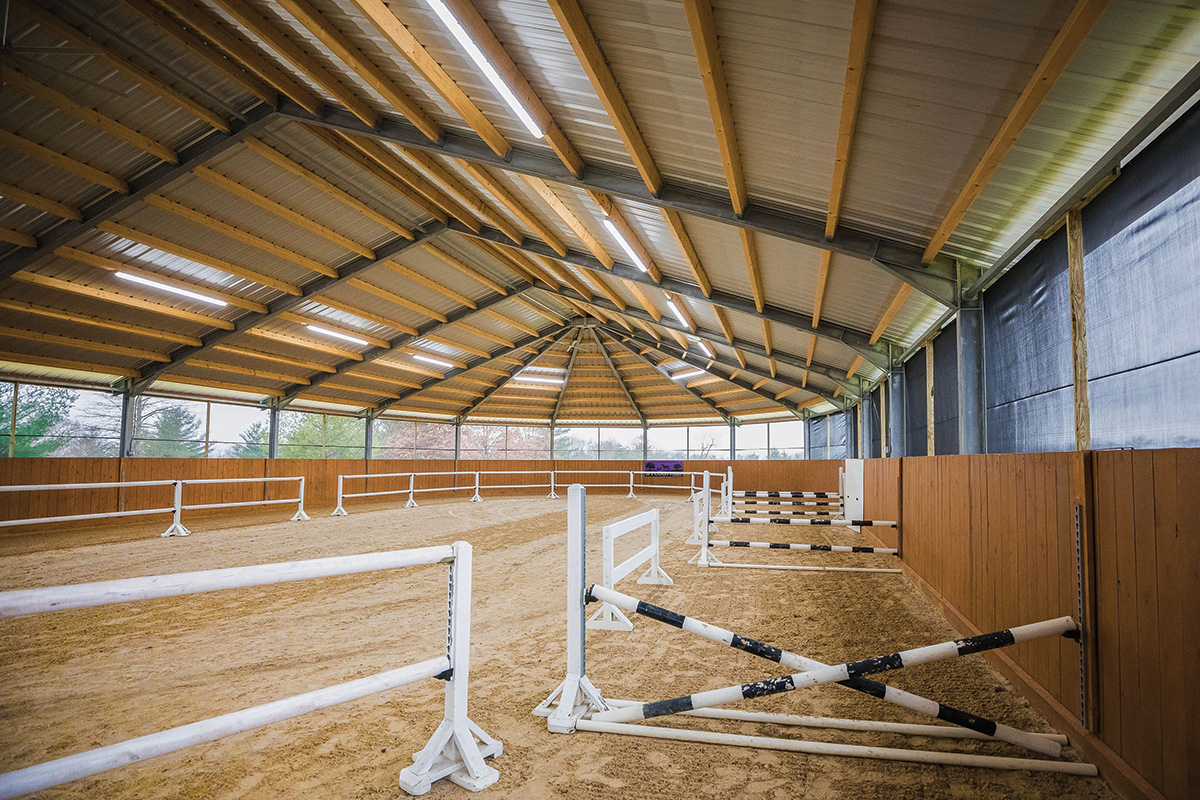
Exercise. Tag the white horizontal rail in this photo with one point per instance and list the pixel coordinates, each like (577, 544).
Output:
(81, 765)
(108, 485)
(265, 479)
(58, 598)
(74, 517)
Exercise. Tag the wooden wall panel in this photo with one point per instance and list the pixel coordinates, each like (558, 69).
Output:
(881, 482)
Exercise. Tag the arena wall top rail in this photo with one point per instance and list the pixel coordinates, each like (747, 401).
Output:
(475, 483)
(456, 750)
(176, 508)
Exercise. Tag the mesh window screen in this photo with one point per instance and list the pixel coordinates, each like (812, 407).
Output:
(945, 391)
(914, 405)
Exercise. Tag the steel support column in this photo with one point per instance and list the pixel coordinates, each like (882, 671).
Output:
(129, 405)
(273, 431)
(897, 424)
(972, 409)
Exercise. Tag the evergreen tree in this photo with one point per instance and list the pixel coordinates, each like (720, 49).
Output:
(253, 444)
(173, 433)
(40, 412)
(320, 436)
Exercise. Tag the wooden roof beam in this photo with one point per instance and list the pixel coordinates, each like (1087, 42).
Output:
(861, 26)
(31, 149)
(574, 24)
(712, 72)
(1072, 34)
(617, 374)
(380, 16)
(892, 310)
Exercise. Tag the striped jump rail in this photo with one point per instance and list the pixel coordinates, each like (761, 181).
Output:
(577, 705)
(980, 725)
(816, 548)
(790, 512)
(796, 495)
(821, 503)
(835, 523)
(1063, 626)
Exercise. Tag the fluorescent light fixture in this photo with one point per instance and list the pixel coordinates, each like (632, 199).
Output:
(432, 360)
(678, 314)
(704, 348)
(535, 379)
(485, 66)
(629, 251)
(685, 375)
(172, 289)
(336, 334)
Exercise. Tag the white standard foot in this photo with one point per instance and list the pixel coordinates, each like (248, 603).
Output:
(339, 512)
(456, 751)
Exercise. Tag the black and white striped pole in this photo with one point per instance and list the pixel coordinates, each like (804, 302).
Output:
(842, 672)
(576, 695)
(817, 548)
(913, 702)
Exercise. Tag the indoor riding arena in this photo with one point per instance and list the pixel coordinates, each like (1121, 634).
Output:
(615, 399)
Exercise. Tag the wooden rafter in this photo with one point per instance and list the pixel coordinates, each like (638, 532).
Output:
(1072, 34)
(431, 284)
(766, 332)
(246, 352)
(643, 300)
(684, 311)
(587, 49)
(62, 363)
(491, 337)
(201, 49)
(84, 290)
(17, 238)
(812, 349)
(892, 310)
(83, 344)
(379, 15)
(112, 265)
(377, 162)
(471, 272)
(98, 322)
(60, 101)
(233, 232)
(684, 388)
(494, 314)
(506, 376)
(303, 343)
(712, 72)
(466, 14)
(475, 351)
(675, 223)
(231, 45)
(197, 257)
(303, 319)
(261, 148)
(611, 211)
(235, 188)
(268, 374)
(17, 195)
(250, 19)
(446, 179)
(518, 209)
(47, 19)
(723, 321)
(19, 144)
(547, 195)
(753, 268)
(862, 24)
(822, 280)
(858, 362)
(318, 25)
(617, 374)
(392, 297)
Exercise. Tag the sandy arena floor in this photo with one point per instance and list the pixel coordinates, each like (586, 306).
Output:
(80, 679)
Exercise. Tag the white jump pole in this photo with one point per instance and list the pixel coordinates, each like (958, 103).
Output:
(300, 515)
(834, 723)
(458, 747)
(842, 672)
(412, 499)
(847, 750)
(177, 528)
(82, 765)
(985, 727)
(576, 695)
(339, 511)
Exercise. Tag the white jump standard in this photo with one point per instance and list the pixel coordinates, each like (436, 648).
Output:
(456, 750)
(609, 617)
(578, 705)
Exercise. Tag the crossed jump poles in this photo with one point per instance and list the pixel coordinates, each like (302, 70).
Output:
(578, 705)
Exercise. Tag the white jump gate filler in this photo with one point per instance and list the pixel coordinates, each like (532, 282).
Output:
(609, 617)
(456, 750)
(577, 705)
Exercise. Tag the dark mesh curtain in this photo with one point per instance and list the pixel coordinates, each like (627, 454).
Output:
(1027, 330)
(915, 442)
(837, 435)
(876, 401)
(1141, 270)
(848, 422)
(1142, 287)
(817, 435)
(945, 391)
